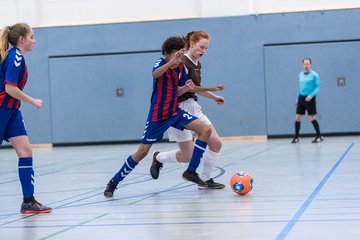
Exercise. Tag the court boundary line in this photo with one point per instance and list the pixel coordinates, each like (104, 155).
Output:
(285, 231)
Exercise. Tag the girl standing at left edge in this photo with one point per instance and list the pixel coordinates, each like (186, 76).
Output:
(13, 77)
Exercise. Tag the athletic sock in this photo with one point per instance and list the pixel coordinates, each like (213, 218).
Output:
(199, 148)
(167, 156)
(317, 127)
(209, 160)
(26, 175)
(297, 128)
(126, 168)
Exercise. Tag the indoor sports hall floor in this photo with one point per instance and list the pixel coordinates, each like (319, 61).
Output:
(301, 191)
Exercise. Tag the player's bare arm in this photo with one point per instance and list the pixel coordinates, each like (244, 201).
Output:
(208, 89)
(173, 60)
(218, 99)
(15, 92)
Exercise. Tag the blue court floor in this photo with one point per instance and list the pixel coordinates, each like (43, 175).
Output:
(301, 191)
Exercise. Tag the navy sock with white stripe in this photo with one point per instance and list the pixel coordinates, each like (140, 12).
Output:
(199, 148)
(126, 168)
(26, 175)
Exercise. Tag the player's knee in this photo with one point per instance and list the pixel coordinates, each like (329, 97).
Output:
(312, 118)
(207, 132)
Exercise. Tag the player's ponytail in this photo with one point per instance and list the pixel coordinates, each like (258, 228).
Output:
(187, 39)
(4, 43)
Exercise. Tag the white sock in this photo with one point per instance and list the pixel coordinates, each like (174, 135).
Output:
(167, 156)
(209, 160)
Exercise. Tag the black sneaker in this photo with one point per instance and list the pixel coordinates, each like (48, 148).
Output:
(191, 176)
(34, 207)
(212, 185)
(295, 140)
(110, 188)
(318, 139)
(155, 166)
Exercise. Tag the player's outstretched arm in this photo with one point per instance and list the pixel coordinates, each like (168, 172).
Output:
(208, 89)
(218, 99)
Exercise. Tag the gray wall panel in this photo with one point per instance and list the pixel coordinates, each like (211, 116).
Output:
(84, 104)
(236, 58)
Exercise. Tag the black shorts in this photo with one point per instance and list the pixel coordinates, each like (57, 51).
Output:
(302, 105)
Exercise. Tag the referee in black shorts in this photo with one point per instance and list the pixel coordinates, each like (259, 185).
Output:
(309, 86)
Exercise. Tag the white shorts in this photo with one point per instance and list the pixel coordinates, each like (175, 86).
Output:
(194, 108)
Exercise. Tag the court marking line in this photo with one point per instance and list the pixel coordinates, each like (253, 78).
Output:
(37, 175)
(68, 226)
(176, 187)
(17, 219)
(144, 195)
(285, 231)
(72, 227)
(79, 200)
(66, 205)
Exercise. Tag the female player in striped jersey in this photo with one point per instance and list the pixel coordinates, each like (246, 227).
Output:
(169, 81)
(198, 43)
(13, 77)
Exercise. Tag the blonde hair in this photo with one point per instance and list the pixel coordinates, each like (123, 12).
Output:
(195, 36)
(11, 35)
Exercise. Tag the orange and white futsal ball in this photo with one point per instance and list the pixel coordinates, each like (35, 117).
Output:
(241, 183)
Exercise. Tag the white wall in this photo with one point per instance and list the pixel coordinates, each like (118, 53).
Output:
(76, 12)
(212, 8)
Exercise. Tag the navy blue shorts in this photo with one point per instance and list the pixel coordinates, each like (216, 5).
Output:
(11, 124)
(154, 131)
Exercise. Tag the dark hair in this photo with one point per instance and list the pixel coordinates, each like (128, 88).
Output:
(11, 35)
(172, 44)
(307, 59)
(195, 36)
